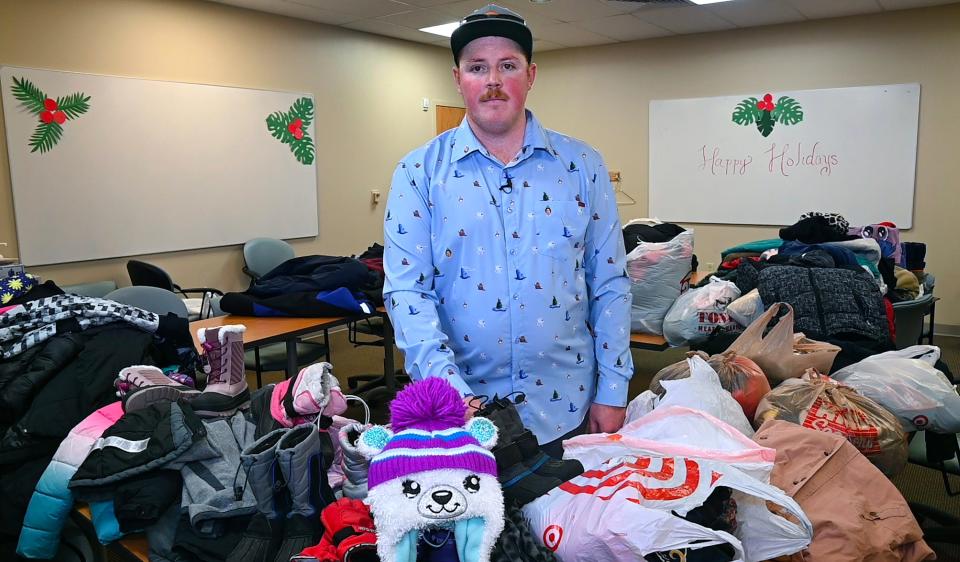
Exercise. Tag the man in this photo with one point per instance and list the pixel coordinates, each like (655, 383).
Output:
(504, 256)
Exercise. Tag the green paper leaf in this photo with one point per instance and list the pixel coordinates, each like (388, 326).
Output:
(28, 94)
(788, 111)
(277, 125)
(45, 136)
(303, 149)
(746, 112)
(74, 105)
(302, 109)
(765, 123)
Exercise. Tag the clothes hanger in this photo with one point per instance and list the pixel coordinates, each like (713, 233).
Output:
(622, 197)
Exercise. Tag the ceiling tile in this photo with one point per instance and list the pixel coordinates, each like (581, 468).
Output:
(381, 27)
(428, 3)
(462, 8)
(815, 9)
(540, 46)
(563, 10)
(418, 18)
(362, 8)
(684, 19)
(902, 4)
(624, 27)
(747, 13)
(568, 35)
(300, 11)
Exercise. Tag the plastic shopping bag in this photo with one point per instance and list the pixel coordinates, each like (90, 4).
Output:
(670, 460)
(702, 391)
(781, 353)
(658, 272)
(911, 388)
(747, 308)
(699, 312)
(739, 375)
(818, 402)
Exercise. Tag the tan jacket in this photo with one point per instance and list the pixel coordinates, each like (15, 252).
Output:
(857, 513)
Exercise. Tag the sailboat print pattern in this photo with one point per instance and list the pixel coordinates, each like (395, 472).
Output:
(487, 286)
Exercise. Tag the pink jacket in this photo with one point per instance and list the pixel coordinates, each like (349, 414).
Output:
(857, 513)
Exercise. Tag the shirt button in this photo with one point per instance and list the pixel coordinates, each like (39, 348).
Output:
(509, 209)
(513, 252)
(515, 297)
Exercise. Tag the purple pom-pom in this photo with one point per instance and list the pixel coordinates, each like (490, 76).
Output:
(431, 404)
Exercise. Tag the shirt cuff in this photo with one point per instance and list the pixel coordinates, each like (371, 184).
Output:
(607, 396)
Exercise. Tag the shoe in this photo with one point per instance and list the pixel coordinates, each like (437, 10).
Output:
(520, 482)
(546, 465)
(222, 355)
(355, 465)
(143, 385)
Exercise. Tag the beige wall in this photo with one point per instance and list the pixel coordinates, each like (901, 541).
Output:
(602, 94)
(368, 91)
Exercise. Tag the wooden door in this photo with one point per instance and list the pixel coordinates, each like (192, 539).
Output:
(449, 117)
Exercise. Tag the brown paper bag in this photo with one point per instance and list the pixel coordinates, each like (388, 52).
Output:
(781, 355)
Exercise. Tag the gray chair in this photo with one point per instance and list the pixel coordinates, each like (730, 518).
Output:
(939, 452)
(98, 289)
(154, 299)
(260, 256)
(149, 275)
(908, 317)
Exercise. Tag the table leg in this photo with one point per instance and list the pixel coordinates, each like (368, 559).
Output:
(389, 371)
(291, 357)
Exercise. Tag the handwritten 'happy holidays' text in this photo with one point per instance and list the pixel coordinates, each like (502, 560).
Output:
(781, 160)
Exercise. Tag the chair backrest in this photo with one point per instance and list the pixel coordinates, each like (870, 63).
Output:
(148, 275)
(263, 254)
(908, 319)
(154, 299)
(93, 289)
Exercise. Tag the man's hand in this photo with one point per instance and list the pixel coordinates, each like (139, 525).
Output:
(473, 404)
(605, 419)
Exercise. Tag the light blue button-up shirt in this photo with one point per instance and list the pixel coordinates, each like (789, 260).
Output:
(505, 278)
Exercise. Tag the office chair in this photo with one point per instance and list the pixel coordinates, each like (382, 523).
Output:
(908, 317)
(156, 300)
(97, 289)
(939, 452)
(149, 275)
(260, 256)
(370, 386)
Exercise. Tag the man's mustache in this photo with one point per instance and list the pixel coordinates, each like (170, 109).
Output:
(494, 94)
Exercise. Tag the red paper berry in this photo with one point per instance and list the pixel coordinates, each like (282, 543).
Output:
(49, 104)
(761, 105)
(768, 98)
(47, 117)
(298, 123)
(298, 134)
(60, 117)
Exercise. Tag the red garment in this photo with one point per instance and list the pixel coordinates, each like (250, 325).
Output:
(348, 531)
(888, 306)
(375, 264)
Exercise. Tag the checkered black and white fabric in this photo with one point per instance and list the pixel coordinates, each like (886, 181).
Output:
(34, 322)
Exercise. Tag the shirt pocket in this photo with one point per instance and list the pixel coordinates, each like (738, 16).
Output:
(561, 228)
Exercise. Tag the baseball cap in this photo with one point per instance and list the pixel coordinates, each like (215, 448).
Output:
(492, 20)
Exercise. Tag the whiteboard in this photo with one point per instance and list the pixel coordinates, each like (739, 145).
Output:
(854, 152)
(153, 166)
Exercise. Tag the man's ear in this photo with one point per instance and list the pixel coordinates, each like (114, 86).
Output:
(531, 75)
(456, 78)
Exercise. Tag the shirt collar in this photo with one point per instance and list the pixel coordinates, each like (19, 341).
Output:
(463, 142)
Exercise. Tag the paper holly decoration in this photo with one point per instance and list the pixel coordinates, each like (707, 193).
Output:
(766, 114)
(52, 113)
(288, 127)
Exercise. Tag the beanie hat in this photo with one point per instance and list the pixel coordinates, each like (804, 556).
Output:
(429, 469)
(492, 21)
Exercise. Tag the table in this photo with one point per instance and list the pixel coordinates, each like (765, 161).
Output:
(266, 330)
(131, 547)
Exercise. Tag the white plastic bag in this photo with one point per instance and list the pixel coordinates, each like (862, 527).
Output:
(640, 406)
(906, 383)
(747, 308)
(658, 272)
(702, 391)
(669, 460)
(698, 312)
